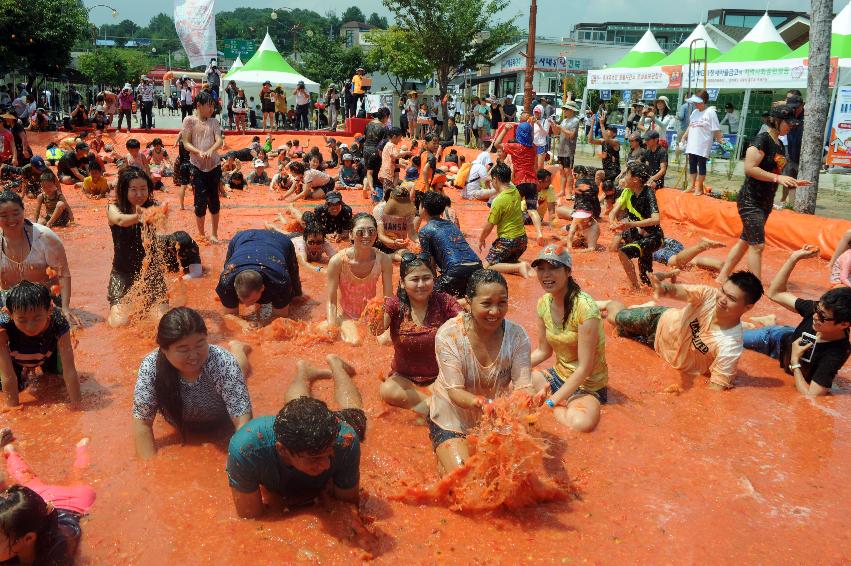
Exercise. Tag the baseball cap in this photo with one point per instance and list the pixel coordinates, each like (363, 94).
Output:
(347, 157)
(81, 146)
(652, 135)
(695, 99)
(635, 136)
(37, 161)
(333, 197)
(412, 173)
(555, 253)
(259, 163)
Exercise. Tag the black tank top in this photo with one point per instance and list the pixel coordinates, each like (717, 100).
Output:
(128, 249)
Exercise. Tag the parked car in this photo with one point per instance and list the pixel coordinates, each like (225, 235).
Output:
(554, 98)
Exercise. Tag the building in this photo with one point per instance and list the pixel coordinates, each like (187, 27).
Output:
(669, 36)
(727, 26)
(355, 34)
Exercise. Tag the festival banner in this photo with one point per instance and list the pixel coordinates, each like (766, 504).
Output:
(195, 23)
(839, 147)
(660, 78)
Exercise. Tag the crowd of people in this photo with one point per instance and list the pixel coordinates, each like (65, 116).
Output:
(404, 273)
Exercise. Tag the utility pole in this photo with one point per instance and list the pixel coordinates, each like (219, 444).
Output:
(818, 102)
(530, 57)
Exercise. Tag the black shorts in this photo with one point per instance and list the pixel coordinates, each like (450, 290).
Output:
(182, 173)
(454, 280)
(566, 161)
(120, 283)
(529, 192)
(439, 435)
(753, 222)
(206, 186)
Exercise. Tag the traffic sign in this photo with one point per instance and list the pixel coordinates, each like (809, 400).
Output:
(649, 94)
(713, 94)
(605, 95)
(243, 48)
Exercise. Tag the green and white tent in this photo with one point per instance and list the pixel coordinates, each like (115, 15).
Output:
(236, 65)
(645, 53)
(679, 56)
(268, 65)
(840, 38)
(762, 43)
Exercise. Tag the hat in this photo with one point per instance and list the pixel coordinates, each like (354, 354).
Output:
(695, 99)
(360, 69)
(329, 142)
(8, 116)
(99, 108)
(786, 113)
(343, 146)
(523, 134)
(555, 253)
(570, 105)
(127, 86)
(259, 163)
(267, 83)
(300, 83)
(664, 99)
(581, 214)
(37, 161)
(333, 197)
(509, 97)
(652, 135)
(412, 174)
(347, 157)
(81, 146)
(635, 136)
(539, 109)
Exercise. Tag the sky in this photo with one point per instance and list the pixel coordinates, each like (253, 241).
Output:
(555, 17)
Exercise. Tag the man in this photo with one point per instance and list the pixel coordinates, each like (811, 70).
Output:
(214, 77)
(704, 337)
(731, 117)
(334, 217)
(794, 139)
(304, 450)
(72, 167)
(358, 89)
(610, 152)
(260, 268)
(509, 109)
(525, 175)
(656, 158)
(814, 364)
(568, 133)
(8, 151)
(335, 149)
(641, 234)
(30, 174)
(145, 90)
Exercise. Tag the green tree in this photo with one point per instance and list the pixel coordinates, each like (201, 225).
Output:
(114, 66)
(325, 60)
(38, 34)
(454, 35)
(162, 33)
(121, 32)
(395, 54)
(353, 14)
(377, 21)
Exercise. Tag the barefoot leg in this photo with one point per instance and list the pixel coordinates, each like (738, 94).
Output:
(305, 375)
(240, 351)
(345, 392)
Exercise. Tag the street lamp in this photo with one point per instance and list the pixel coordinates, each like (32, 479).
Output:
(114, 11)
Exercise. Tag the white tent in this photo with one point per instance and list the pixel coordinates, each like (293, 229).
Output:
(268, 65)
(236, 64)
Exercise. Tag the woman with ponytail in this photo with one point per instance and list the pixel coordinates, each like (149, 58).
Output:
(569, 324)
(193, 384)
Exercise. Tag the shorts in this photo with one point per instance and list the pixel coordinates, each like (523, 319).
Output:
(268, 106)
(182, 173)
(669, 249)
(120, 283)
(51, 365)
(439, 435)
(639, 323)
(356, 418)
(566, 161)
(529, 192)
(505, 250)
(556, 382)
(539, 149)
(753, 222)
(696, 165)
(640, 247)
(206, 186)
(454, 280)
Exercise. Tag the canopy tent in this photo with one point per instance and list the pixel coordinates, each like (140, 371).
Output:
(762, 43)
(840, 38)
(644, 54)
(236, 65)
(680, 55)
(268, 65)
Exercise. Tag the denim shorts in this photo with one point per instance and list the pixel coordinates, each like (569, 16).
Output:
(439, 435)
(602, 394)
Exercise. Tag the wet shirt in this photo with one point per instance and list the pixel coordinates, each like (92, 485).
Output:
(351, 176)
(655, 158)
(253, 461)
(444, 242)
(507, 215)
(523, 158)
(333, 224)
(641, 207)
(828, 357)
(128, 246)
(202, 134)
(269, 253)
(611, 158)
(33, 351)
(686, 339)
(373, 134)
(46, 250)
(761, 193)
(413, 344)
(567, 145)
(218, 393)
(69, 161)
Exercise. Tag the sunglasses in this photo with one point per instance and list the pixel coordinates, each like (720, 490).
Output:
(819, 314)
(408, 257)
(361, 232)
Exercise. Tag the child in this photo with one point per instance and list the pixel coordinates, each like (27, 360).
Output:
(181, 254)
(57, 211)
(396, 223)
(202, 137)
(230, 166)
(507, 215)
(34, 334)
(158, 159)
(95, 185)
(182, 171)
(259, 175)
(135, 157)
(546, 195)
(351, 174)
(390, 155)
(237, 181)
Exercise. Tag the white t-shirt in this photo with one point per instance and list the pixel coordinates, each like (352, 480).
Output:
(541, 132)
(700, 130)
(301, 247)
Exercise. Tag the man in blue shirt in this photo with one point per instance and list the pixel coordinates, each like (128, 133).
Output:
(303, 451)
(443, 241)
(261, 267)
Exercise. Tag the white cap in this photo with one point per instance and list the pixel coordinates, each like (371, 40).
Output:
(259, 163)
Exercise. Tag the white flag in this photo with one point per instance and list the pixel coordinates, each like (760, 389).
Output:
(195, 22)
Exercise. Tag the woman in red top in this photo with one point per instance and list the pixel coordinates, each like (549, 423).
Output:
(413, 317)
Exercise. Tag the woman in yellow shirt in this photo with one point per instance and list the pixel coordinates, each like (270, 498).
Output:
(569, 324)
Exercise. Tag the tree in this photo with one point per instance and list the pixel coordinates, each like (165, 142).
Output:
(818, 102)
(114, 66)
(38, 34)
(121, 32)
(377, 21)
(454, 35)
(162, 33)
(395, 54)
(325, 60)
(353, 14)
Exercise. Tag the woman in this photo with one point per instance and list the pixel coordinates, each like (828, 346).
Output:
(191, 382)
(664, 118)
(413, 317)
(353, 275)
(374, 134)
(481, 117)
(280, 107)
(302, 107)
(396, 223)
(307, 183)
(477, 186)
(569, 324)
(240, 110)
(22, 144)
(411, 110)
(764, 162)
(133, 240)
(231, 91)
(31, 252)
(479, 355)
(332, 101)
(703, 126)
(267, 105)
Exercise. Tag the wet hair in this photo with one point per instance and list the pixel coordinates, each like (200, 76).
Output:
(237, 176)
(176, 324)
(122, 186)
(204, 97)
(501, 172)
(483, 277)
(297, 167)
(638, 169)
(133, 143)
(585, 182)
(156, 141)
(411, 261)
(750, 285)
(306, 426)
(430, 137)
(543, 174)
(581, 171)
(608, 186)
(94, 165)
(48, 177)
(26, 296)
(295, 143)
(839, 302)
(176, 249)
(394, 132)
(360, 216)
(311, 228)
(434, 203)
(23, 511)
(10, 196)
(247, 282)
(612, 128)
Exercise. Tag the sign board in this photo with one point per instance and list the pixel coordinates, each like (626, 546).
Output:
(649, 94)
(627, 95)
(839, 147)
(545, 64)
(713, 94)
(605, 95)
(233, 48)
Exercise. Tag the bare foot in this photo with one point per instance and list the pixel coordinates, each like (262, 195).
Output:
(335, 359)
(662, 275)
(214, 240)
(311, 373)
(6, 436)
(711, 244)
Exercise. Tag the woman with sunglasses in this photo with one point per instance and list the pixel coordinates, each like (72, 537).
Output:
(413, 317)
(353, 274)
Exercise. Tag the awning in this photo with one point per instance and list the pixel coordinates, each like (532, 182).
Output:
(479, 79)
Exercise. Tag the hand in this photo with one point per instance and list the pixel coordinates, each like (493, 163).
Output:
(786, 181)
(481, 245)
(6, 436)
(806, 251)
(539, 397)
(400, 243)
(798, 351)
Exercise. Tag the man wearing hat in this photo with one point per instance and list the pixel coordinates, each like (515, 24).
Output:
(72, 167)
(656, 158)
(30, 174)
(125, 107)
(8, 152)
(794, 139)
(568, 131)
(335, 217)
(146, 91)
(358, 87)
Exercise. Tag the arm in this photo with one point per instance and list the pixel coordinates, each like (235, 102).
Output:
(652, 221)
(387, 274)
(76, 172)
(216, 145)
(811, 389)
(7, 372)
(57, 212)
(38, 202)
(613, 215)
(247, 505)
(665, 289)
(69, 370)
(486, 230)
(844, 244)
(333, 287)
(143, 437)
(117, 218)
(464, 399)
(589, 332)
(544, 350)
(187, 143)
(777, 290)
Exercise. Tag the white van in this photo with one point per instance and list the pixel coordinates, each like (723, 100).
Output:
(554, 98)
